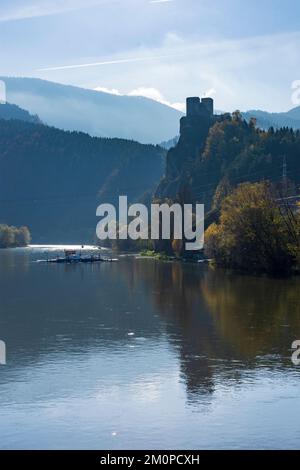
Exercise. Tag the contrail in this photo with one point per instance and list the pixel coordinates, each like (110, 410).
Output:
(107, 62)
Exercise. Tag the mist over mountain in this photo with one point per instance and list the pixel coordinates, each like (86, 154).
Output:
(96, 113)
(52, 181)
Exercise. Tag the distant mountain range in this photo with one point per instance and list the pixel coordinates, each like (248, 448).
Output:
(106, 115)
(52, 180)
(96, 113)
(266, 120)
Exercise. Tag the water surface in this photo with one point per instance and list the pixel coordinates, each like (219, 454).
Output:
(145, 354)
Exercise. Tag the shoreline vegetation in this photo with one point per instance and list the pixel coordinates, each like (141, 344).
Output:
(257, 231)
(157, 255)
(161, 256)
(14, 237)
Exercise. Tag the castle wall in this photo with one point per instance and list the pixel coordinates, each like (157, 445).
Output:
(195, 107)
(209, 105)
(199, 117)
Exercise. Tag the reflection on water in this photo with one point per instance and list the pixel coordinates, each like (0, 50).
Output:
(235, 321)
(141, 354)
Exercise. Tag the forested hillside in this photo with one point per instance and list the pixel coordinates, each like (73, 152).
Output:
(52, 181)
(11, 111)
(234, 152)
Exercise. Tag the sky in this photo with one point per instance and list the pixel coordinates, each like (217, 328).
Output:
(243, 54)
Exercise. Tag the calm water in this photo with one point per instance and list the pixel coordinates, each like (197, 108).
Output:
(142, 354)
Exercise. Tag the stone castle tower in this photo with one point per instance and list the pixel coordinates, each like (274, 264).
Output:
(199, 118)
(194, 129)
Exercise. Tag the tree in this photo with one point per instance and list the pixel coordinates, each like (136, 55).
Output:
(6, 236)
(11, 237)
(253, 234)
(224, 188)
(22, 236)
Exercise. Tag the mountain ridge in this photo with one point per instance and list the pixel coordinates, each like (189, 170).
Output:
(97, 113)
(266, 119)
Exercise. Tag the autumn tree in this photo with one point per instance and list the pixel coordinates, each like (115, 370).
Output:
(253, 233)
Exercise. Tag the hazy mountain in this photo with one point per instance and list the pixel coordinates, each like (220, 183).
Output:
(11, 111)
(52, 180)
(277, 120)
(97, 113)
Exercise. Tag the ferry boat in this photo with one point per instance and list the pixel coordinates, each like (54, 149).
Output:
(72, 256)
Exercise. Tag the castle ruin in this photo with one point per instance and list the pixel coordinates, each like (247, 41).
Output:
(199, 117)
(194, 129)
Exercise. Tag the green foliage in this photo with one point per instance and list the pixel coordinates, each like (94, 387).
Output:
(236, 152)
(254, 234)
(11, 237)
(161, 256)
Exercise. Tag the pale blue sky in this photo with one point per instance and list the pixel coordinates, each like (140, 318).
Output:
(246, 54)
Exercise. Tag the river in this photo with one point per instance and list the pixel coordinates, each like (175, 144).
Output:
(145, 354)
